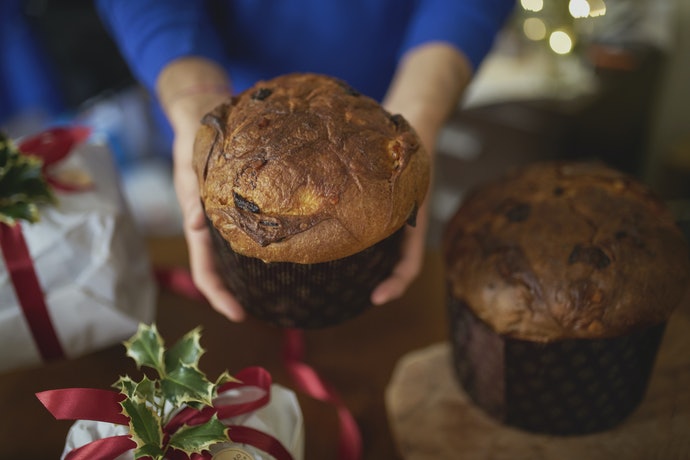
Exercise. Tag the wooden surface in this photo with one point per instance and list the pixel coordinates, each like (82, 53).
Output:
(433, 418)
(357, 358)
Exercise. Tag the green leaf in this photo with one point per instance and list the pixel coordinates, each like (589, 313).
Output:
(225, 377)
(144, 390)
(187, 384)
(12, 212)
(187, 351)
(146, 348)
(126, 385)
(197, 438)
(150, 452)
(22, 185)
(144, 424)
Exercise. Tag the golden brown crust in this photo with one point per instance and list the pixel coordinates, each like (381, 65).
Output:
(303, 169)
(566, 250)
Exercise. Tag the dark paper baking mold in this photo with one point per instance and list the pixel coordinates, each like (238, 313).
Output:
(566, 387)
(307, 296)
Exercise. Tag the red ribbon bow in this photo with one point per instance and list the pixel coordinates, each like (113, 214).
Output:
(104, 406)
(51, 146)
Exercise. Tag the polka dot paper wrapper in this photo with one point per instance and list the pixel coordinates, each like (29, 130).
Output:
(307, 296)
(566, 387)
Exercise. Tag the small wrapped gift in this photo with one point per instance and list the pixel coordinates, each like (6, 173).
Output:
(180, 415)
(74, 276)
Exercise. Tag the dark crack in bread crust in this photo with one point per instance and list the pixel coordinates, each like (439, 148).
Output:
(302, 168)
(566, 250)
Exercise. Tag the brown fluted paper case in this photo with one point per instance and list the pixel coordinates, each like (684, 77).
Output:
(307, 296)
(564, 387)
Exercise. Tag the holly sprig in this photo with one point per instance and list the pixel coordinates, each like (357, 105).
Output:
(151, 403)
(22, 184)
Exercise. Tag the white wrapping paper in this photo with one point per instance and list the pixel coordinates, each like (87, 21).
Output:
(91, 263)
(281, 418)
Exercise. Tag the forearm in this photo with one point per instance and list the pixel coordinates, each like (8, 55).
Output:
(427, 87)
(188, 88)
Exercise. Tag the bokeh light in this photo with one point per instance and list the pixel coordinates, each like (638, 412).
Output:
(532, 5)
(597, 8)
(579, 8)
(534, 29)
(560, 42)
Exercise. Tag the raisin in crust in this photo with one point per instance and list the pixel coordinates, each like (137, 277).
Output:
(566, 250)
(302, 168)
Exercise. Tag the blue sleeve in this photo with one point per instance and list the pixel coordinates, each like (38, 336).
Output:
(470, 25)
(151, 33)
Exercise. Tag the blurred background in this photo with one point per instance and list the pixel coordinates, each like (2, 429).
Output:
(572, 79)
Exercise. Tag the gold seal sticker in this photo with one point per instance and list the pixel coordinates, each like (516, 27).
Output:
(233, 453)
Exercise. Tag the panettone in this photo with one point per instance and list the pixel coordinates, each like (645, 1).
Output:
(561, 278)
(307, 186)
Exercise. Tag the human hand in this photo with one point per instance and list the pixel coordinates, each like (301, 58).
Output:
(188, 89)
(410, 264)
(201, 259)
(425, 90)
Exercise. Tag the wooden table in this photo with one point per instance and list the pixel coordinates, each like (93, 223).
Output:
(357, 358)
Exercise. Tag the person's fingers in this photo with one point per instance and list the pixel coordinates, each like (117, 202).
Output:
(203, 268)
(201, 256)
(405, 271)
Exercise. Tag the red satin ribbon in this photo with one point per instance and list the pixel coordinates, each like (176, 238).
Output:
(29, 292)
(90, 404)
(52, 146)
(84, 404)
(179, 281)
(309, 381)
(103, 405)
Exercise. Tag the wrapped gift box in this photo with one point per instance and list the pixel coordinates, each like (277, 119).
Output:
(94, 277)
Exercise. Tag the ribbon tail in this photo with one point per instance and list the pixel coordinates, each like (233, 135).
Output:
(103, 449)
(309, 381)
(179, 281)
(84, 404)
(29, 292)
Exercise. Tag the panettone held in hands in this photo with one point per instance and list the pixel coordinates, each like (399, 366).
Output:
(307, 187)
(566, 250)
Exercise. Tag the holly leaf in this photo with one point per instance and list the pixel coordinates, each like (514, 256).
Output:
(126, 386)
(197, 438)
(146, 348)
(187, 384)
(12, 212)
(225, 377)
(144, 426)
(22, 185)
(149, 452)
(144, 390)
(187, 351)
